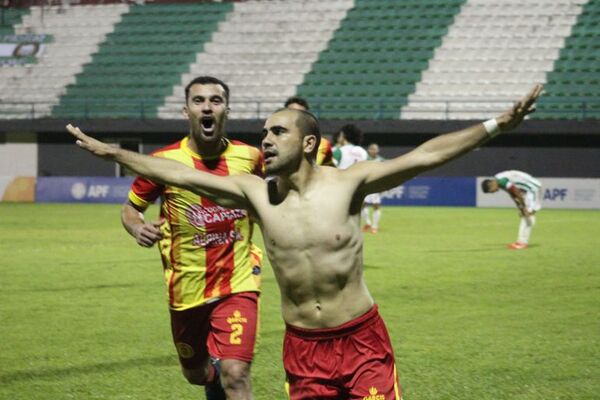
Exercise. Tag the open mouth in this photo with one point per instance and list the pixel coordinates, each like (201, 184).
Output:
(269, 155)
(208, 125)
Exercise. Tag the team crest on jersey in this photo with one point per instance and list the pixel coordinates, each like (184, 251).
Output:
(200, 216)
(184, 350)
(373, 395)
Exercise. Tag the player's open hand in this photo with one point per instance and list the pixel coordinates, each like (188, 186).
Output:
(513, 117)
(90, 144)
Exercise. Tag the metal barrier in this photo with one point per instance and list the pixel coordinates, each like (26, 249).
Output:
(568, 108)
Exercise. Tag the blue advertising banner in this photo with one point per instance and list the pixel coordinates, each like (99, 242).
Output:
(416, 192)
(455, 191)
(82, 189)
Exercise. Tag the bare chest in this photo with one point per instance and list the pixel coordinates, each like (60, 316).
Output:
(304, 222)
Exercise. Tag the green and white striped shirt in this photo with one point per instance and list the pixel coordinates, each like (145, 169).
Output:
(521, 180)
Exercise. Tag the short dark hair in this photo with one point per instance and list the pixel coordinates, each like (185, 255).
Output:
(297, 100)
(335, 137)
(352, 133)
(206, 80)
(485, 185)
(308, 124)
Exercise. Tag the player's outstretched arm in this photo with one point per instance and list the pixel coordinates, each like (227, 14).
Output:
(222, 189)
(377, 177)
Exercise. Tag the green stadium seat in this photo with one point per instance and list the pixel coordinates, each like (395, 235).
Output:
(573, 87)
(141, 60)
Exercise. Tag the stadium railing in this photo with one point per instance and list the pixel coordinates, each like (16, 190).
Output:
(329, 108)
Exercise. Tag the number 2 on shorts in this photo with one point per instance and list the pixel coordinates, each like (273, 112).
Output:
(236, 331)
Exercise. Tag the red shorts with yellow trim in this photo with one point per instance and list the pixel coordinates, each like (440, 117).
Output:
(352, 361)
(225, 329)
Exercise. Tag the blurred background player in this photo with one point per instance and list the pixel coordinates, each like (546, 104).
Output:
(374, 199)
(335, 139)
(325, 154)
(524, 189)
(207, 253)
(348, 151)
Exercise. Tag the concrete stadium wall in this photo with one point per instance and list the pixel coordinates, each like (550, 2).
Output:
(18, 155)
(60, 159)
(556, 162)
(542, 148)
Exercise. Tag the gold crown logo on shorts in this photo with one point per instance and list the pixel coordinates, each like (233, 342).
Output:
(373, 394)
(237, 318)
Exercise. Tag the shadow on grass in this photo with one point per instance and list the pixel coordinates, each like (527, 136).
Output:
(75, 288)
(54, 373)
(466, 250)
(116, 262)
(371, 266)
(487, 248)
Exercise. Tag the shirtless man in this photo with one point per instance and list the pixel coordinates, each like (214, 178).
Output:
(336, 345)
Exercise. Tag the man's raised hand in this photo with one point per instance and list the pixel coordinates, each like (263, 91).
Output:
(92, 145)
(513, 117)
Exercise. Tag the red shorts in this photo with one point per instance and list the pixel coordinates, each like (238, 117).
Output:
(352, 361)
(225, 329)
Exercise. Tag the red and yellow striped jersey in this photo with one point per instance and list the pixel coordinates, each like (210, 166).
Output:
(324, 153)
(206, 249)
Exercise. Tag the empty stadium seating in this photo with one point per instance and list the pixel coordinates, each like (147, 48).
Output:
(492, 54)
(263, 50)
(357, 59)
(42, 83)
(573, 88)
(376, 57)
(139, 62)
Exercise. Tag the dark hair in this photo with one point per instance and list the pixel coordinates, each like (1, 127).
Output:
(352, 133)
(485, 185)
(307, 123)
(297, 100)
(335, 137)
(207, 80)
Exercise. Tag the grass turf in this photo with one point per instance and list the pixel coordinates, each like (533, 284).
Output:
(83, 308)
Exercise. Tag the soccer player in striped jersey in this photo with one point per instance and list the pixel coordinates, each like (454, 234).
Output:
(325, 153)
(524, 190)
(336, 345)
(208, 258)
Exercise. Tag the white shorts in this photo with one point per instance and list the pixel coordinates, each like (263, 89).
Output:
(533, 201)
(373, 198)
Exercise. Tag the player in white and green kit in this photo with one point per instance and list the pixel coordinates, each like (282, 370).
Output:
(348, 151)
(373, 199)
(525, 191)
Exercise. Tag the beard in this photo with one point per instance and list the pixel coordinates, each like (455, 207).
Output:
(285, 165)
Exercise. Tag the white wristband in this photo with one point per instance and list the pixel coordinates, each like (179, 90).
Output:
(491, 127)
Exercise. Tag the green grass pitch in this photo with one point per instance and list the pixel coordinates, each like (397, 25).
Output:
(83, 310)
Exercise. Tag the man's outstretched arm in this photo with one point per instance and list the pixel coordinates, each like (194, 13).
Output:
(221, 189)
(377, 177)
